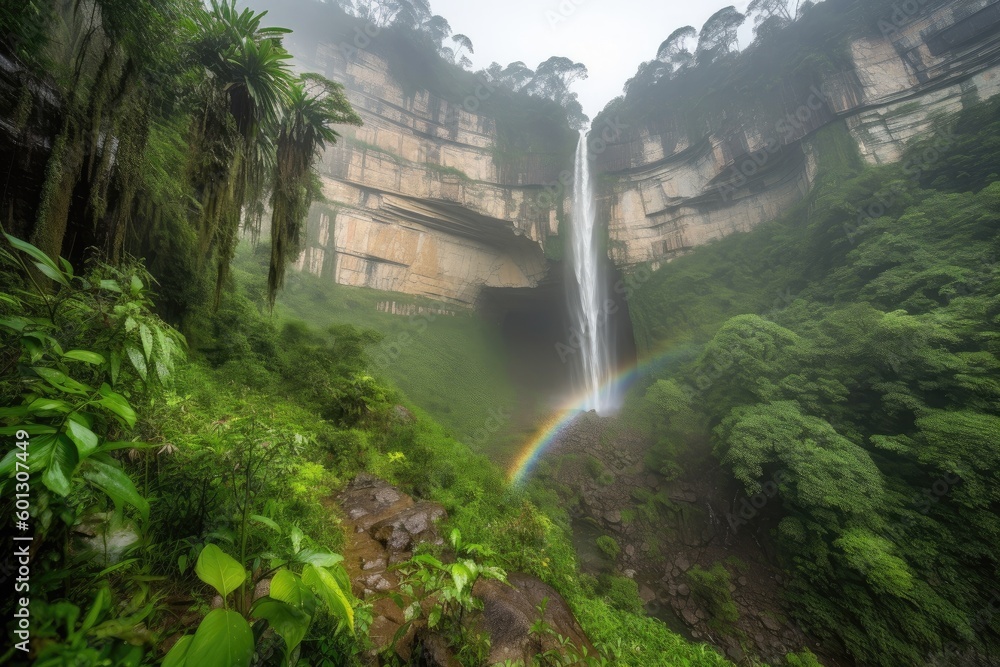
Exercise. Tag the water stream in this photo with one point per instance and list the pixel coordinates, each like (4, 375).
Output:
(589, 304)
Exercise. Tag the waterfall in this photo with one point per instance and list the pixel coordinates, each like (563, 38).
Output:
(589, 305)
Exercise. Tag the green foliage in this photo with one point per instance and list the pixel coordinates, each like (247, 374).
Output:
(67, 398)
(621, 593)
(712, 586)
(867, 391)
(609, 547)
(450, 365)
(804, 658)
(224, 638)
(443, 591)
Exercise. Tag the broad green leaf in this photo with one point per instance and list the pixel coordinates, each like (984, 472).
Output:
(135, 285)
(84, 356)
(117, 404)
(40, 449)
(10, 300)
(146, 336)
(14, 323)
(101, 471)
(270, 523)
(53, 273)
(86, 441)
(289, 622)
(116, 364)
(61, 381)
(48, 406)
(295, 534)
(59, 468)
(426, 559)
(331, 593)
(219, 570)
(224, 639)
(111, 285)
(16, 411)
(164, 346)
(434, 617)
(288, 587)
(66, 266)
(343, 579)
(135, 356)
(130, 323)
(101, 601)
(178, 653)
(318, 557)
(461, 574)
(32, 251)
(35, 350)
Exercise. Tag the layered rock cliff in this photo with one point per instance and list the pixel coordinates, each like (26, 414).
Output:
(421, 199)
(426, 199)
(666, 191)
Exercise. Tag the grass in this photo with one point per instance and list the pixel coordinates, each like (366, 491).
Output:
(451, 365)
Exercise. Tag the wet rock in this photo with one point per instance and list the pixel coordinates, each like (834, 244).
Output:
(368, 500)
(372, 564)
(734, 652)
(406, 529)
(436, 652)
(614, 516)
(682, 563)
(683, 590)
(770, 623)
(509, 611)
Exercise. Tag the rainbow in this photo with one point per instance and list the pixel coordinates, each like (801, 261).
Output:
(554, 426)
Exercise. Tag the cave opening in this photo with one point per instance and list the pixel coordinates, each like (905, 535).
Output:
(536, 330)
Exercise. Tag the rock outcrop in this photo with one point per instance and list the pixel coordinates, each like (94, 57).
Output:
(383, 526)
(669, 192)
(418, 201)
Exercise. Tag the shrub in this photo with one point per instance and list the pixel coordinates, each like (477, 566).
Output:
(609, 547)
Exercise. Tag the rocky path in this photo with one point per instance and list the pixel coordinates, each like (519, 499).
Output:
(383, 525)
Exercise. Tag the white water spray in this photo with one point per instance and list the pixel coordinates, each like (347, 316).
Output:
(589, 305)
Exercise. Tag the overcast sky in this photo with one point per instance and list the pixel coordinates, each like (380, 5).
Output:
(610, 37)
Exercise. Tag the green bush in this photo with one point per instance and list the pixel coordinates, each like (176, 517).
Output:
(712, 587)
(609, 547)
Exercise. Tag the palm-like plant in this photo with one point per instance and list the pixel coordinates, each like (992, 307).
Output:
(314, 104)
(247, 86)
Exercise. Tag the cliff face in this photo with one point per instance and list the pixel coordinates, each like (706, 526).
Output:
(665, 192)
(418, 200)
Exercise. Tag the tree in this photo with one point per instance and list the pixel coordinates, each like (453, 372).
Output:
(411, 14)
(769, 16)
(674, 52)
(437, 28)
(463, 43)
(516, 75)
(718, 36)
(245, 83)
(761, 10)
(553, 77)
(314, 104)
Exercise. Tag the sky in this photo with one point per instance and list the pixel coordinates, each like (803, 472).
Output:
(610, 37)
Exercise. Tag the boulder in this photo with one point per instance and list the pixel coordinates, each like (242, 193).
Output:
(412, 526)
(510, 610)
